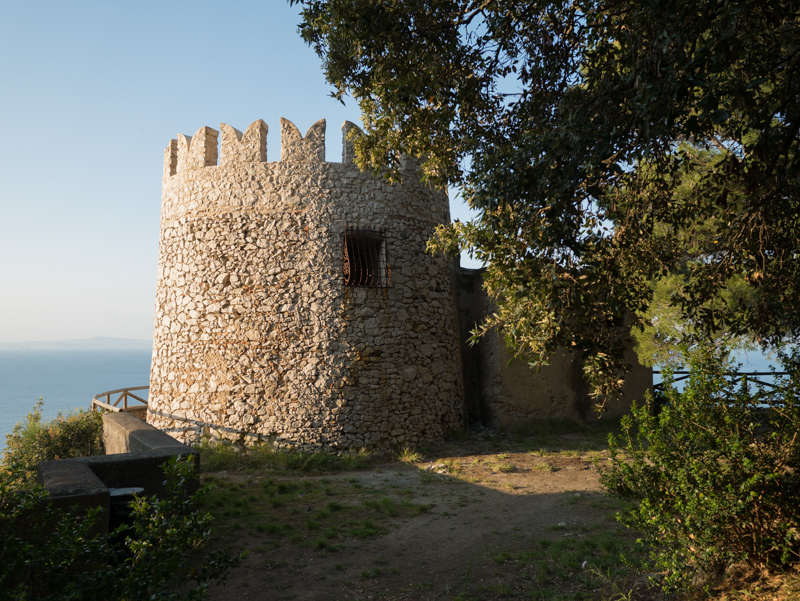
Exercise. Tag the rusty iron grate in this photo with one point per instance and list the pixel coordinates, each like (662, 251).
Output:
(365, 260)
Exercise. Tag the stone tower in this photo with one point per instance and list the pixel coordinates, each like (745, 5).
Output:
(295, 300)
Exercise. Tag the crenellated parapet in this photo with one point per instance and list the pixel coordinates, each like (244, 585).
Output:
(170, 160)
(189, 153)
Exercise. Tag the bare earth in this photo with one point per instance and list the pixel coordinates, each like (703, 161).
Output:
(469, 521)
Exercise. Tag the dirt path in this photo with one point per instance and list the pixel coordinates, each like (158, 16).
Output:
(478, 525)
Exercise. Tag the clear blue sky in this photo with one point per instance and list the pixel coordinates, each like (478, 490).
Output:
(90, 94)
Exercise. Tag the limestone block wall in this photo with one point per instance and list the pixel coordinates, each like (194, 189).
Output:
(256, 335)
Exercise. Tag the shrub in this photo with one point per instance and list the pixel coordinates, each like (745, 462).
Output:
(47, 554)
(34, 440)
(711, 479)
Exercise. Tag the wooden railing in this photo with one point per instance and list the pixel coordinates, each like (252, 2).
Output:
(124, 395)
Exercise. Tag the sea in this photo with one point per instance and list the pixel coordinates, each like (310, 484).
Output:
(743, 361)
(65, 380)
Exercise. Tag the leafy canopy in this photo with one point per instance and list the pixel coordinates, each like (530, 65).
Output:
(594, 138)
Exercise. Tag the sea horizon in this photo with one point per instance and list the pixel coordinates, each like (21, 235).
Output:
(88, 344)
(65, 379)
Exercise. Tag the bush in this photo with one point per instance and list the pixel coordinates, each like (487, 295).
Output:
(712, 480)
(45, 553)
(35, 440)
(49, 555)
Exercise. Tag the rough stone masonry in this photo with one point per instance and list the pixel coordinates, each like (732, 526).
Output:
(296, 302)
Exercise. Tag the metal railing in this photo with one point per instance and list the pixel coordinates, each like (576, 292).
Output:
(124, 395)
(737, 377)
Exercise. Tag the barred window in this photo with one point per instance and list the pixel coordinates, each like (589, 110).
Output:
(365, 261)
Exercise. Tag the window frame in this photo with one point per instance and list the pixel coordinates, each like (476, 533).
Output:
(365, 261)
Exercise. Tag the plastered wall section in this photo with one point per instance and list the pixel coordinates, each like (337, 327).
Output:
(508, 393)
(256, 337)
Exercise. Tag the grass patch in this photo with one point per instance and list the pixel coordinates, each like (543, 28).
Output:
(581, 565)
(299, 512)
(410, 456)
(218, 456)
(366, 529)
(383, 505)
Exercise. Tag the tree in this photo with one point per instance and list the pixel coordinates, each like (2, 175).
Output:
(667, 337)
(573, 127)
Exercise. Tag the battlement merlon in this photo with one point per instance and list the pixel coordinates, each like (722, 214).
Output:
(296, 148)
(188, 153)
(170, 159)
(348, 139)
(250, 147)
(197, 151)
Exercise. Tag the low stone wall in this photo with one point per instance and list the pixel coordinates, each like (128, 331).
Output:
(136, 454)
(124, 433)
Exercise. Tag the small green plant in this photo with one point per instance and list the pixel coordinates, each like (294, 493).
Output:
(366, 529)
(427, 477)
(618, 594)
(408, 455)
(416, 508)
(55, 554)
(712, 479)
(452, 466)
(382, 505)
(34, 440)
(323, 544)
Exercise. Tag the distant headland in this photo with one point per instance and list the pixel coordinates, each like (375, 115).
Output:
(88, 344)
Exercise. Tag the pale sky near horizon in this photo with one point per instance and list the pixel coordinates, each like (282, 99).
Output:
(90, 94)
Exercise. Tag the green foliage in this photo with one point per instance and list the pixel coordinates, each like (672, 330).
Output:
(47, 554)
(591, 136)
(712, 479)
(215, 456)
(167, 534)
(34, 440)
(665, 327)
(665, 331)
(409, 455)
